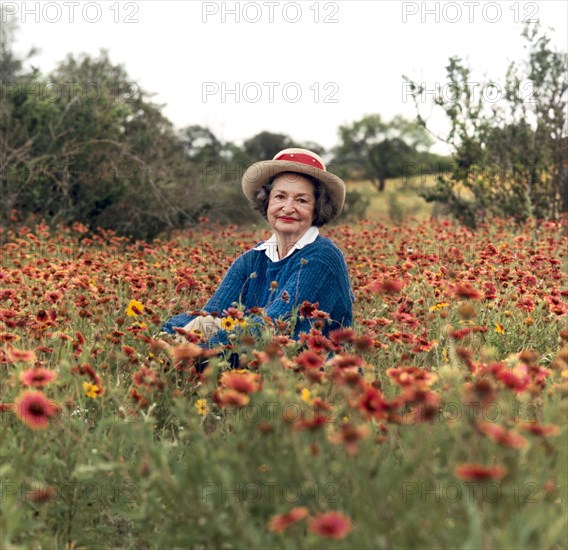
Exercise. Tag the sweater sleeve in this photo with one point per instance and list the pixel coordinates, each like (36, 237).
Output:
(229, 291)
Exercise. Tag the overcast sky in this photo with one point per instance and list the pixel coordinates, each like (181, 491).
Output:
(300, 68)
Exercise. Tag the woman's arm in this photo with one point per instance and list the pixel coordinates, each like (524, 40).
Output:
(229, 291)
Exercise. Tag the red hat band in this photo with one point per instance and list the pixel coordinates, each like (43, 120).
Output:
(301, 158)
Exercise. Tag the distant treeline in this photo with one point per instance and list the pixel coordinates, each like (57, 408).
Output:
(87, 144)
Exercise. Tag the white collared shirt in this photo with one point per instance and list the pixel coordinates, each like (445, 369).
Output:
(270, 246)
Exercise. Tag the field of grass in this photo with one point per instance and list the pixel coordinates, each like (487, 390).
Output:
(439, 420)
(398, 202)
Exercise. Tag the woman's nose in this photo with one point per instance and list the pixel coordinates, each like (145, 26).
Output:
(288, 204)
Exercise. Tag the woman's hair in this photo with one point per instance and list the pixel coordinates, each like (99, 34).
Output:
(325, 208)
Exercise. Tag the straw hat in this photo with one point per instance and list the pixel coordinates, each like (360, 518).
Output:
(300, 161)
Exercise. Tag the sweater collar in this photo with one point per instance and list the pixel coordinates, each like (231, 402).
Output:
(270, 246)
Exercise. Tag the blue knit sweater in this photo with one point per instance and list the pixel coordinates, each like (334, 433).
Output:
(317, 273)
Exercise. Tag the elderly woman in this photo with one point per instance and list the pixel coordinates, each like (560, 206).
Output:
(296, 195)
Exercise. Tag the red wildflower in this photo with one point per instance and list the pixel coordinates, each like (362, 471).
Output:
(350, 436)
(307, 308)
(15, 355)
(37, 377)
(410, 376)
(478, 472)
(54, 296)
(41, 495)
(342, 335)
(8, 337)
(513, 381)
(312, 422)
(501, 435)
(186, 351)
(539, 429)
(460, 333)
(332, 525)
(346, 361)
(316, 341)
(144, 377)
(229, 396)
(280, 522)
(466, 290)
(371, 403)
(243, 382)
(140, 399)
(386, 286)
(34, 409)
(87, 370)
(309, 360)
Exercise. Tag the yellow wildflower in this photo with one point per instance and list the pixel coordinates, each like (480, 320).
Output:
(306, 396)
(439, 306)
(91, 390)
(499, 329)
(202, 407)
(134, 308)
(228, 323)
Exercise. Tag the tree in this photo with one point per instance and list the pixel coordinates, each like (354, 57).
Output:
(265, 145)
(510, 155)
(88, 145)
(378, 150)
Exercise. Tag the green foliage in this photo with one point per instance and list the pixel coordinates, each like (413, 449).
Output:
(355, 207)
(374, 149)
(510, 154)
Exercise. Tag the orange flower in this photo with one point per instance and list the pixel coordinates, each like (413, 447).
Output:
(244, 382)
(499, 434)
(37, 377)
(8, 337)
(386, 286)
(228, 397)
(539, 429)
(15, 355)
(186, 351)
(34, 409)
(309, 360)
(347, 361)
(350, 436)
(371, 403)
(307, 308)
(333, 525)
(465, 290)
(478, 472)
(280, 522)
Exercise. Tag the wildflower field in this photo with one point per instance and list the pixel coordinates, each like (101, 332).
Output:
(437, 421)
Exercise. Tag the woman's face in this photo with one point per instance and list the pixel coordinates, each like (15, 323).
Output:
(291, 205)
